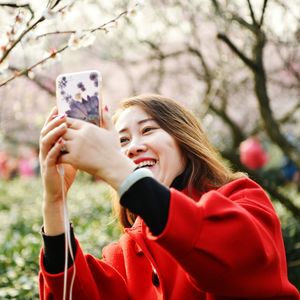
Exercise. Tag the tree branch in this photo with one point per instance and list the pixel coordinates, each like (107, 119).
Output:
(5, 54)
(233, 17)
(289, 115)
(38, 82)
(260, 86)
(14, 5)
(237, 134)
(204, 65)
(26, 70)
(261, 21)
(52, 4)
(216, 6)
(52, 55)
(254, 22)
(248, 62)
(243, 22)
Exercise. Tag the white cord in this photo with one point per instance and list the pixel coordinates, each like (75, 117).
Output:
(68, 245)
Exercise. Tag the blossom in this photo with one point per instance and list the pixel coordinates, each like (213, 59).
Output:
(78, 40)
(4, 66)
(4, 40)
(50, 57)
(30, 38)
(48, 14)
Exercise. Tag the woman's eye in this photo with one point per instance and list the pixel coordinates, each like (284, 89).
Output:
(148, 129)
(124, 140)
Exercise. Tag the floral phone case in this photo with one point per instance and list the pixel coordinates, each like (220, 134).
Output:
(78, 95)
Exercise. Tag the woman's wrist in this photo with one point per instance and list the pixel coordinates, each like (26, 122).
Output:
(53, 218)
(52, 199)
(124, 167)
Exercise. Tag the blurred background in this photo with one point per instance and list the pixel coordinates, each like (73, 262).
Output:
(234, 63)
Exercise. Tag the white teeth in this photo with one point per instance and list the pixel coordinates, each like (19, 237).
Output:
(147, 163)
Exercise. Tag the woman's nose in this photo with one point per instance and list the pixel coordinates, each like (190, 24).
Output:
(135, 148)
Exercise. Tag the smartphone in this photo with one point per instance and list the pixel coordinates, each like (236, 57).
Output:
(79, 95)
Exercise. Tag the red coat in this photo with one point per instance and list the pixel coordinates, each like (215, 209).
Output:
(227, 246)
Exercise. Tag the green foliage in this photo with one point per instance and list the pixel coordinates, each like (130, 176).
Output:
(291, 234)
(90, 211)
(20, 240)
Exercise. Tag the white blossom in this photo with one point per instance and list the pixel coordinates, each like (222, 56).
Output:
(51, 57)
(4, 40)
(4, 66)
(79, 40)
(31, 75)
(48, 14)
(30, 37)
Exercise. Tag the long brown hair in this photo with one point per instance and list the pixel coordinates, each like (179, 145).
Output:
(207, 169)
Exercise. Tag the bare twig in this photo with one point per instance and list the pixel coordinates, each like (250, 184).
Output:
(37, 81)
(25, 71)
(52, 4)
(243, 23)
(216, 6)
(288, 64)
(26, 6)
(248, 62)
(237, 134)
(289, 115)
(199, 54)
(14, 5)
(261, 21)
(254, 22)
(98, 28)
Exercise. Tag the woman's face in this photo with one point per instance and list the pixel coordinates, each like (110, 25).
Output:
(148, 145)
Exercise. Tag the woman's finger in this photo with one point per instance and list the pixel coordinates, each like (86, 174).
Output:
(52, 113)
(65, 156)
(70, 134)
(51, 138)
(74, 123)
(55, 152)
(107, 122)
(55, 122)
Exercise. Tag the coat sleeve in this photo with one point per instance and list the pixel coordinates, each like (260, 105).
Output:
(94, 279)
(229, 243)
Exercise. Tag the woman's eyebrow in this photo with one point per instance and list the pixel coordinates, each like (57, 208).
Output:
(139, 123)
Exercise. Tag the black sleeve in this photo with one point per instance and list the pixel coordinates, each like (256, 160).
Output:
(54, 252)
(150, 200)
(147, 198)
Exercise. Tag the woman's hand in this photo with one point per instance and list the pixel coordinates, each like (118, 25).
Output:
(96, 150)
(51, 144)
(50, 150)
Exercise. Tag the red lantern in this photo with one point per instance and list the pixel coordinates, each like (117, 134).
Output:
(252, 154)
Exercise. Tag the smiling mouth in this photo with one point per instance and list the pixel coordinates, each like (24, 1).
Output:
(146, 164)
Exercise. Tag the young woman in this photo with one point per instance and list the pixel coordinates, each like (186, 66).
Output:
(193, 229)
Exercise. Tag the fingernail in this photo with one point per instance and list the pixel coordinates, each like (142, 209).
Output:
(60, 141)
(58, 117)
(106, 108)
